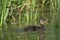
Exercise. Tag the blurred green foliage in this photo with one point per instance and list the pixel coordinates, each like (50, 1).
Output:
(21, 13)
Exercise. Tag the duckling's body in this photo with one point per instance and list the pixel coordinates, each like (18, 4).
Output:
(34, 28)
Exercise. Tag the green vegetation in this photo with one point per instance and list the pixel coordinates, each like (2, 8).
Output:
(21, 13)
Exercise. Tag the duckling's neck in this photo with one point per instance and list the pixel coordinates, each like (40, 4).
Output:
(42, 26)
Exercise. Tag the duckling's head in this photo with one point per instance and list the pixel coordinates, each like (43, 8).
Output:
(43, 21)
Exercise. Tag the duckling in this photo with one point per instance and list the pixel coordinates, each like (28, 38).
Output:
(37, 28)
